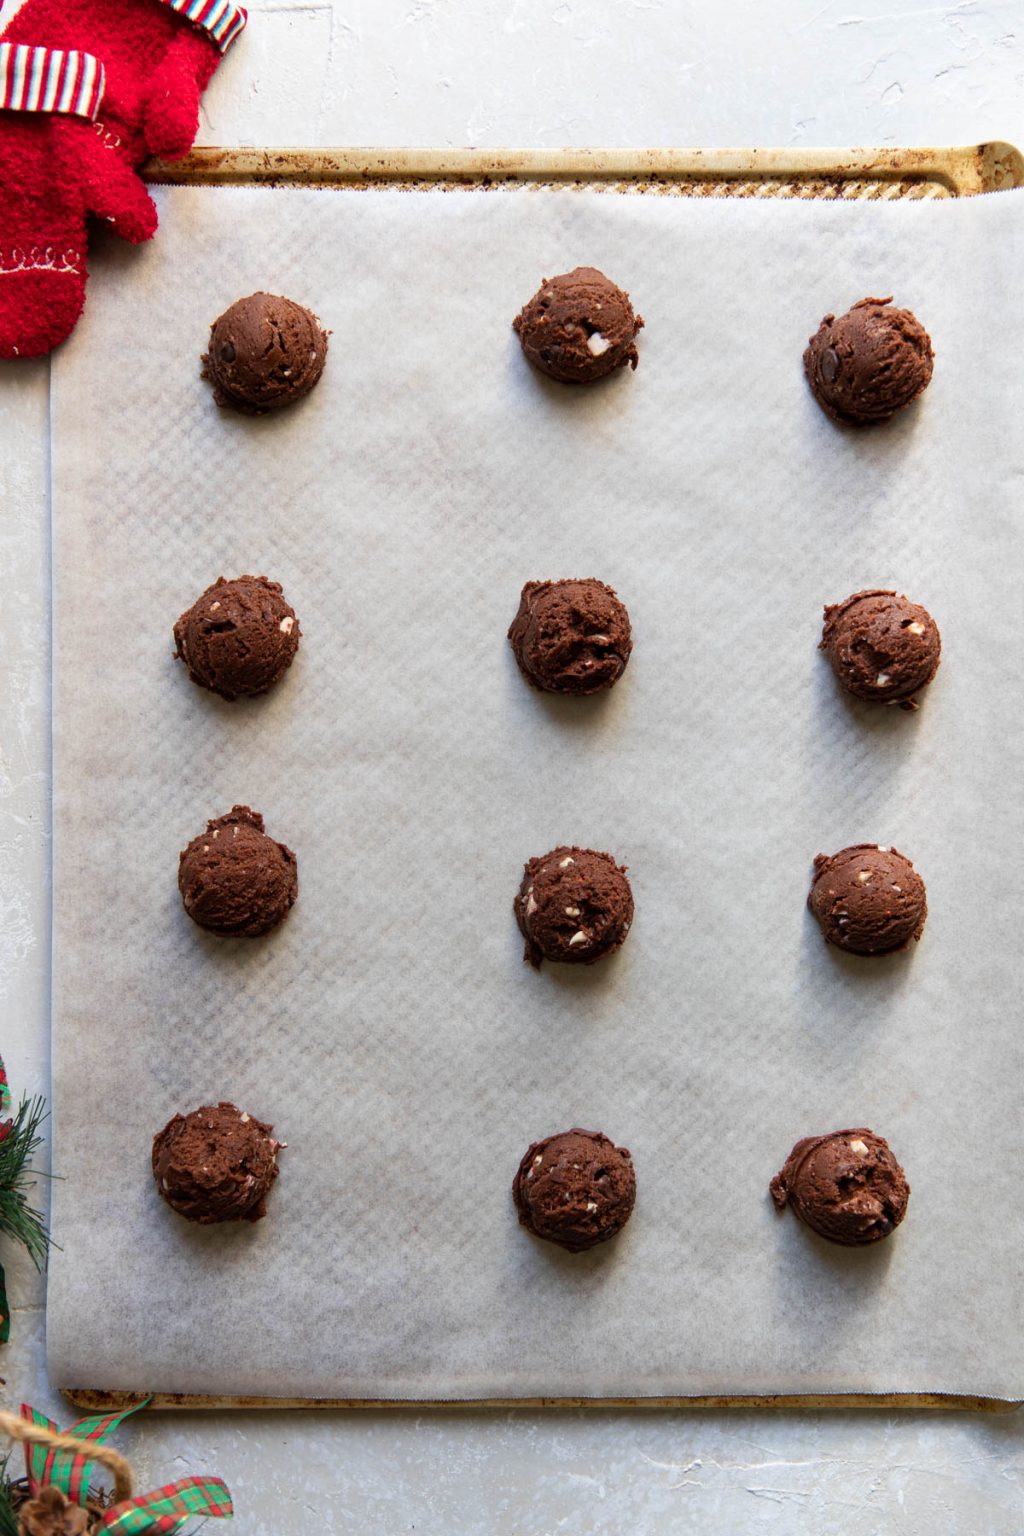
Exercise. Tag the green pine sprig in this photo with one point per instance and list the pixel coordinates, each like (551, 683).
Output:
(8, 1517)
(19, 1219)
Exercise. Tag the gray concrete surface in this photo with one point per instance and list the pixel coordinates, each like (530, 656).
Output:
(526, 72)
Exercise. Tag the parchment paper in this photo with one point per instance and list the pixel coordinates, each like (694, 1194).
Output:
(390, 1030)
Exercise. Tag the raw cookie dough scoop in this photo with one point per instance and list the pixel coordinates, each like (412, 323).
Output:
(578, 327)
(847, 1186)
(574, 905)
(576, 1189)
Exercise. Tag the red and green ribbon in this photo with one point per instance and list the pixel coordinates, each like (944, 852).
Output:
(5, 1092)
(164, 1510)
(149, 1514)
(67, 1470)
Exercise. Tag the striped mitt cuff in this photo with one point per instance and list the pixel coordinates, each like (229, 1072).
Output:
(220, 18)
(50, 80)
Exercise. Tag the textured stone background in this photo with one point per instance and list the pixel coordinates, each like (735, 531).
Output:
(524, 72)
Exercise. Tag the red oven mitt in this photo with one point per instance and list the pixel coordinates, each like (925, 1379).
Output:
(159, 56)
(55, 171)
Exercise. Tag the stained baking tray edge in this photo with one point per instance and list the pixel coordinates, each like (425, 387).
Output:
(812, 173)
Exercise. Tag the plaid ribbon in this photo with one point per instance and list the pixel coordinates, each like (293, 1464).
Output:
(67, 1470)
(150, 1514)
(50, 80)
(163, 1511)
(223, 20)
(5, 1092)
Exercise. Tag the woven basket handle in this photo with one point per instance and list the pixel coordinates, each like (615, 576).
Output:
(20, 1429)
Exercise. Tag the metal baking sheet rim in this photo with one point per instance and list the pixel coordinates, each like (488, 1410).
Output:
(904, 173)
(881, 174)
(114, 1402)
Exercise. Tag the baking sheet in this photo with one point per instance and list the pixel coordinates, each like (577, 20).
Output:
(390, 1030)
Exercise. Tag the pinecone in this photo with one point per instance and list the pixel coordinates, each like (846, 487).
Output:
(51, 1514)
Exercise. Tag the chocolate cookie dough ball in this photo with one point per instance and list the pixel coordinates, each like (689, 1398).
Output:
(265, 352)
(882, 647)
(576, 1189)
(846, 1186)
(571, 636)
(573, 905)
(869, 363)
(578, 327)
(869, 900)
(239, 638)
(216, 1164)
(234, 880)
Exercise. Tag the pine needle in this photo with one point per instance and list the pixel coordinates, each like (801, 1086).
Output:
(18, 1219)
(8, 1518)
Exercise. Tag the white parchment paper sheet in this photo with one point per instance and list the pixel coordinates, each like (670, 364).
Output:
(390, 1030)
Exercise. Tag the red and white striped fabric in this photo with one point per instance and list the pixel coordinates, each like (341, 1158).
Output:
(50, 80)
(220, 18)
